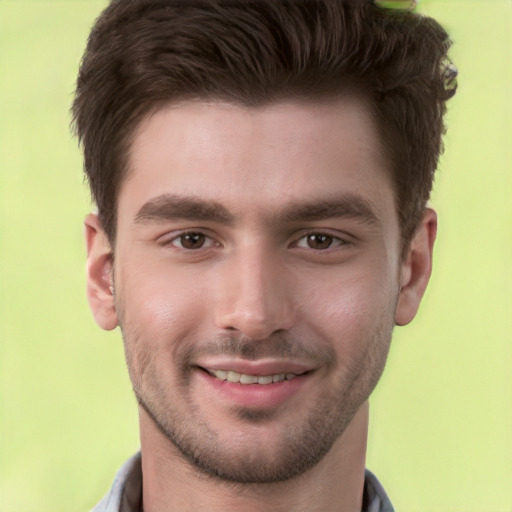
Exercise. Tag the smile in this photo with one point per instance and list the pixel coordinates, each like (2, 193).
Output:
(253, 384)
(244, 378)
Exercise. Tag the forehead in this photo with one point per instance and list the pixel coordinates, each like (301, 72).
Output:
(265, 156)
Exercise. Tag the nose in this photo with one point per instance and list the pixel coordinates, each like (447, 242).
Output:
(253, 296)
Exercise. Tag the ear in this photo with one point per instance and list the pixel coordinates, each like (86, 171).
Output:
(416, 268)
(100, 291)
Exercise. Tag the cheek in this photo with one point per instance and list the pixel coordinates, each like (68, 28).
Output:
(159, 314)
(159, 305)
(354, 312)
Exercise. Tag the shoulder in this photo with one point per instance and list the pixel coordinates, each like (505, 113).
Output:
(126, 491)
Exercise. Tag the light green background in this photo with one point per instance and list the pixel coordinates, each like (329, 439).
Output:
(441, 423)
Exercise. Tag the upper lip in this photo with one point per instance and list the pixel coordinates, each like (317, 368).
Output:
(259, 367)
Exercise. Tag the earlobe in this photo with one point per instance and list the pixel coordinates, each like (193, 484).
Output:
(100, 293)
(416, 268)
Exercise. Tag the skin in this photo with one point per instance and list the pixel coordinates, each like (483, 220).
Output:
(263, 241)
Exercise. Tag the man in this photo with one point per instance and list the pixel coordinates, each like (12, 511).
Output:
(261, 171)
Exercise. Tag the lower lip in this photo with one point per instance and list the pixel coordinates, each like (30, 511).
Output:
(263, 396)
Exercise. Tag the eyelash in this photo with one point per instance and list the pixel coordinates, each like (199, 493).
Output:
(334, 242)
(183, 235)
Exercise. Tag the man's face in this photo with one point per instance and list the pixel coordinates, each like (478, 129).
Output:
(256, 278)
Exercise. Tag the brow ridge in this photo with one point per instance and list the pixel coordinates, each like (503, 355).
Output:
(349, 206)
(177, 207)
(173, 207)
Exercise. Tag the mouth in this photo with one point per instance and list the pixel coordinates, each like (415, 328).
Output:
(245, 378)
(263, 385)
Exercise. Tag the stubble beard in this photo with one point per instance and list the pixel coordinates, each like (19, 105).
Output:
(235, 458)
(298, 449)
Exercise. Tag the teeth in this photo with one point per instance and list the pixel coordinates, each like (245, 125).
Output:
(248, 379)
(233, 377)
(243, 378)
(221, 374)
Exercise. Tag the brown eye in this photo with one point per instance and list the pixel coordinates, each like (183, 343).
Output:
(190, 241)
(319, 241)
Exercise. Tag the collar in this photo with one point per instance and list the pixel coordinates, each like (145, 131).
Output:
(125, 494)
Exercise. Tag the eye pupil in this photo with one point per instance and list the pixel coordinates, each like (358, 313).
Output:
(192, 240)
(319, 241)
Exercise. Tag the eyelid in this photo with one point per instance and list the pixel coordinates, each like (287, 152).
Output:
(342, 239)
(167, 239)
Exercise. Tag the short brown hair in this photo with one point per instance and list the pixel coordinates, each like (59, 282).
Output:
(143, 53)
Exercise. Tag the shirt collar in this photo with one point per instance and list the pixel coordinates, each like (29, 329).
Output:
(125, 494)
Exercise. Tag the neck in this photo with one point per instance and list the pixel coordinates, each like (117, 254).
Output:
(335, 483)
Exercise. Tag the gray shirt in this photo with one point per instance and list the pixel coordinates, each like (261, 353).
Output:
(126, 492)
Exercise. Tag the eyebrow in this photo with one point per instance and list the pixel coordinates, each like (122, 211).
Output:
(172, 207)
(176, 207)
(347, 206)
